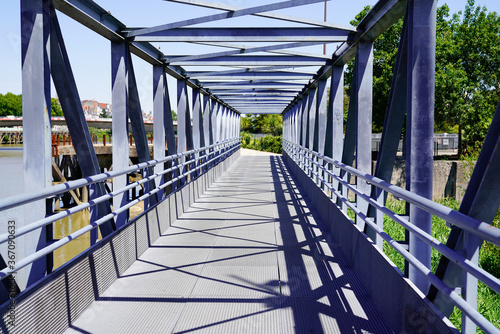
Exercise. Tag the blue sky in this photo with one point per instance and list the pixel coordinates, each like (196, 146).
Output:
(90, 54)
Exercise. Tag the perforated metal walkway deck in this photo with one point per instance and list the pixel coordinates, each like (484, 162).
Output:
(248, 257)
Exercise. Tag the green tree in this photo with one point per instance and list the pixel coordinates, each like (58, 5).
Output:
(11, 104)
(55, 108)
(467, 67)
(385, 50)
(104, 114)
(263, 123)
(174, 116)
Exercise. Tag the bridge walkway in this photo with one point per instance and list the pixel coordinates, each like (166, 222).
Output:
(249, 256)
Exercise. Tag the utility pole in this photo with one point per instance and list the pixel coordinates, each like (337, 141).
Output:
(324, 45)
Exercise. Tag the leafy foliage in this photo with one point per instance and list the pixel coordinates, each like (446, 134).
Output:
(467, 67)
(266, 143)
(12, 105)
(269, 124)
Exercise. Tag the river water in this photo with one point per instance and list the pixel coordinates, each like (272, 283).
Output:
(11, 164)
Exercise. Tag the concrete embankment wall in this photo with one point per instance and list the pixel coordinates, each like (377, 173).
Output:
(450, 178)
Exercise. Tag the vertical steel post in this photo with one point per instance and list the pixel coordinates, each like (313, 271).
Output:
(421, 62)
(184, 131)
(321, 121)
(159, 116)
(37, 150)
(207, 120)
(119, 82)
(312, 127)
(335, 119)
(364, 98)
(198, 136)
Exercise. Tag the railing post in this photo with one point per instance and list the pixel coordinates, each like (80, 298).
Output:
(420, 123)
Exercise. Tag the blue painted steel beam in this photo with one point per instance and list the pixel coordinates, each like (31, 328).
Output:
(363, 111)
(237, 34)
(159, 114)
(420, 123)
(253, 60)
(119, 97)
(349, 143)
(239, 98)
(313, 109)
(244, 51)
(184, 130)
(207, 120)
(275, 16)
(255, 94)
(258, 75)
(223, 16)
(278, 51)
(393, 125)
(198, 134)
(99, 20)
(69, 98)
(256, 83)
(255, 90)
(37, 150)
(208, 74)
(139, 131)
(383, 15)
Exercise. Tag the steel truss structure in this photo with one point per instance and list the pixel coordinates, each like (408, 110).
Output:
(271, 77)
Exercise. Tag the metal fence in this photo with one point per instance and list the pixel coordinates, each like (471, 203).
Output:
(332, 176)
(185, 166)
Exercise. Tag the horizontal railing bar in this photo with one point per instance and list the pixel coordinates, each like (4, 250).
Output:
(14, 201)
(482, 229)
(63, 241)
(50, 219)
(458, 259)
(449, 293)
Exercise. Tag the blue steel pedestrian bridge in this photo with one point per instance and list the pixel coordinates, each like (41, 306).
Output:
(232, 240)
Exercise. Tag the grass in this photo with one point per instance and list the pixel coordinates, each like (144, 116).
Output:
(488, 303)
(489, 258)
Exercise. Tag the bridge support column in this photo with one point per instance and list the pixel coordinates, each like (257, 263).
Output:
(420, 123)
(363, 117)
(313, 109)
(37, 150)
(335, 119)
(321, 122)
(184, 131)
(198, 134)
(119, 69)
(159, 115)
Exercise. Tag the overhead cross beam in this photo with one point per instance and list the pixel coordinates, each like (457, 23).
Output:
(266, 34)
(278, 51)
(248, 50)
(207, 4)
(223, 16)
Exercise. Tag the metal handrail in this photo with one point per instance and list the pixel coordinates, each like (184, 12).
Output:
(14, 201)
(217, 151)
(434, 208)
